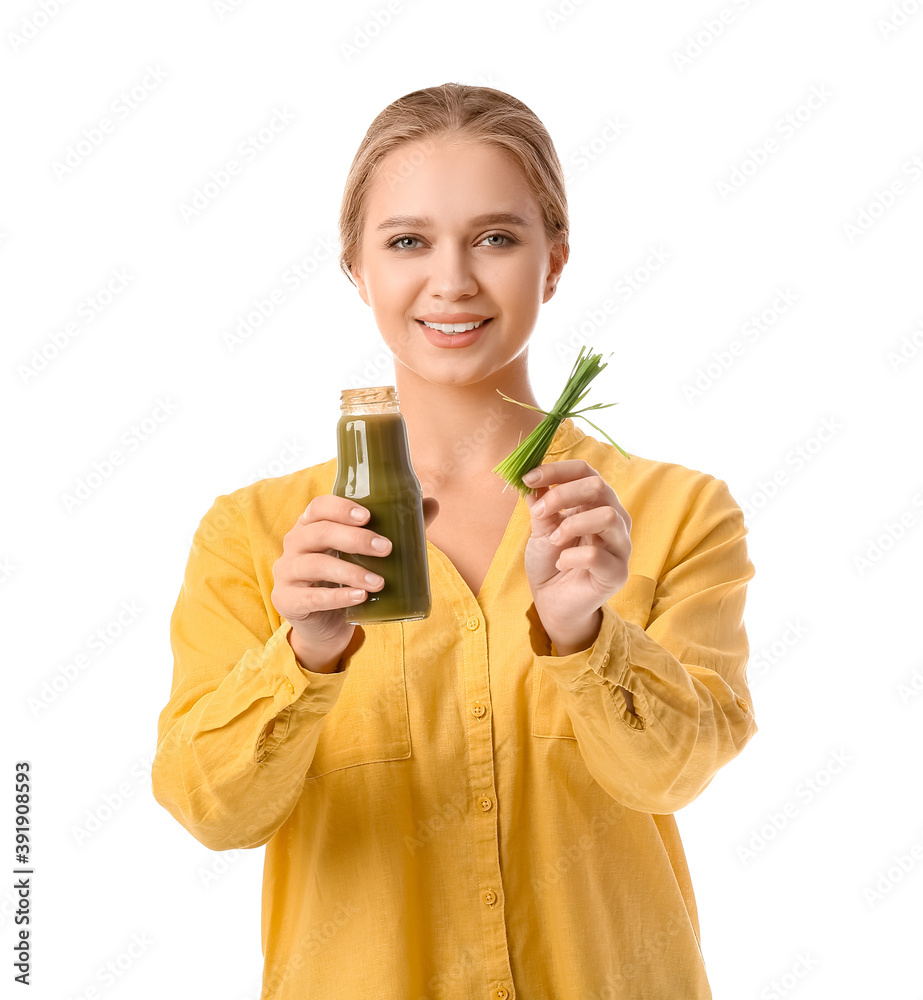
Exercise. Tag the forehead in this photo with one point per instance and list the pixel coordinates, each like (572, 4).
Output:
(450, 180)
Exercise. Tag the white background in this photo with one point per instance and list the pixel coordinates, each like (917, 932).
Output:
(796, 846)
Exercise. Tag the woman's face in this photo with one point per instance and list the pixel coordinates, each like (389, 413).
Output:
(455, 251)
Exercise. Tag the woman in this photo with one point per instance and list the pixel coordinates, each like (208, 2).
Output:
(478, 804)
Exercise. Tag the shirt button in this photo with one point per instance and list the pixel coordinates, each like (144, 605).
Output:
(500, 993)
(478, 710)
(486, 803)
(605, 659)
(473, 622)
(490, 897)
(291, 687)
(743, 704)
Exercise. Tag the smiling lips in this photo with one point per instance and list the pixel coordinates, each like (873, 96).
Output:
(450, 324)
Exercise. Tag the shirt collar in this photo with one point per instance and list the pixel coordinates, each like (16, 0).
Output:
(566, 437)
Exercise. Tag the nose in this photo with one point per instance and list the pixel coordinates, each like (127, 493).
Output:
(452, 273)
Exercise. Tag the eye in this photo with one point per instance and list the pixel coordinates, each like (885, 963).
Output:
(500, 236)
(401, 239)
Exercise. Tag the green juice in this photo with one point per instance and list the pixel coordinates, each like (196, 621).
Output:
(374, 469)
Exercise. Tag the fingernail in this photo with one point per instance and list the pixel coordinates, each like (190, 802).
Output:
(382, 544)
(538, 508)
(358, 513)
(532, 477)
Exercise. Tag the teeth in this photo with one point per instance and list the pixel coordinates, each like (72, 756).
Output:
(453, 327)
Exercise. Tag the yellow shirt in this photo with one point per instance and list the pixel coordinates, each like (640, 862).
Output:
(458, 812)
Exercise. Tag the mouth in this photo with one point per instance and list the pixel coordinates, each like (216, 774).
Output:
(453, 335)
(451, 329)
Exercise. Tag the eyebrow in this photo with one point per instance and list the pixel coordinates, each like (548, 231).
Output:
(421, 222)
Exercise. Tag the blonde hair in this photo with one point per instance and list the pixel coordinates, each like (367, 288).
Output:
(460, 112)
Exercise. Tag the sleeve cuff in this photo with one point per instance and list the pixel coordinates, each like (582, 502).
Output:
(606, 658)
(297, 688)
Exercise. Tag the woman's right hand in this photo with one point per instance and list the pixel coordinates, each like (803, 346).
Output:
(307, 576)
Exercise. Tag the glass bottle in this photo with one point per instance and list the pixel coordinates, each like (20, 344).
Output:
(374, 469)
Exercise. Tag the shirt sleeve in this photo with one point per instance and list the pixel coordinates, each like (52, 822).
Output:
(239, 731)
(686, 671)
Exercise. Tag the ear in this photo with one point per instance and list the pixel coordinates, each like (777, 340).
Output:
(557, 258)
(360, 283)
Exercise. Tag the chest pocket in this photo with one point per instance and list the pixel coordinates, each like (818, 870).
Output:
(370, 721)
(549, 717)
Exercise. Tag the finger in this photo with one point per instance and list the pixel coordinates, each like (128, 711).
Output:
(605, 522)
(590, 491)
(610, 570)
(320, 535)
(560, 490)
(559, 472)
(329, 507)
(316, 599)
(319, 569)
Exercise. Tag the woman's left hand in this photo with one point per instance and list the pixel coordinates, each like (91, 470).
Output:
(577, 555)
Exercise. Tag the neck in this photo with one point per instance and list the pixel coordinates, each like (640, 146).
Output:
(466, 430)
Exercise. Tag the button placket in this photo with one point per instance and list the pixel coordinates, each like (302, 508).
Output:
(487, 881)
